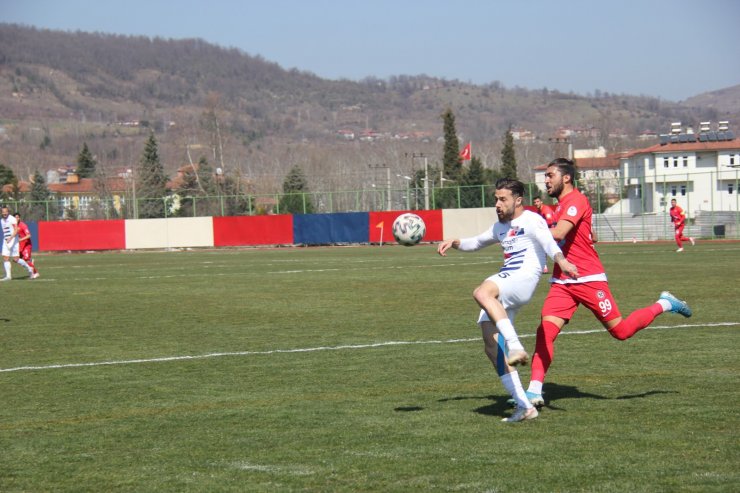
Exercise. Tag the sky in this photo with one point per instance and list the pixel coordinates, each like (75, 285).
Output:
(671, 49)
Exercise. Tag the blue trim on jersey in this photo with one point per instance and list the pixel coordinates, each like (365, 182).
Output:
(513, 261)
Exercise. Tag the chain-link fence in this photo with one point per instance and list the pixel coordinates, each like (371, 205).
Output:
(624, 210)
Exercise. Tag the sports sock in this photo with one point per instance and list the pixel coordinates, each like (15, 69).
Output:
(6, 265)
(23, 263)
(513, 386)
(547, 332)
(32, 266)
(637, 320)
(535, 387)
(506, 329)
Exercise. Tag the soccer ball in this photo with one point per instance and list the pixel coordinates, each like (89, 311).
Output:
(409, 229)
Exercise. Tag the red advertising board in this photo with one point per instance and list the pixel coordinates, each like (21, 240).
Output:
(253, 230)
(82, 235)
(432, 220)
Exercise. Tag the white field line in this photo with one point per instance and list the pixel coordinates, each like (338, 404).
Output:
(320, 348)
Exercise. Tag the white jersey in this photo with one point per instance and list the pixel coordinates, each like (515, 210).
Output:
(525, 241)
(7, 224)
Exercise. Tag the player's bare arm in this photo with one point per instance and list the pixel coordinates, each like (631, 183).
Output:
(561, 230)
(446, 245)
(569, 269)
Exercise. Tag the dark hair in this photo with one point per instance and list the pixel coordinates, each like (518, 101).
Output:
(566, 167)
(515, 186)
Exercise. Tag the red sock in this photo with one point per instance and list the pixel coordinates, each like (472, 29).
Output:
(637, 320)
(547, 332)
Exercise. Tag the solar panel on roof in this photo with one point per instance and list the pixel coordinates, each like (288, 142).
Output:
(674, 139)
(664, 139)
(683, 138)
(712, 136)
(721, 136)
(703, 138)
(730, 135)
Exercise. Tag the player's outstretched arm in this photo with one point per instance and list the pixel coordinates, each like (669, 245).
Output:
(446, 245)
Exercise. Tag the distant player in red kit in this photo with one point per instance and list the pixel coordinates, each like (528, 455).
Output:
(591, 289)
(678, 218)
(25, 245)
(546, 211)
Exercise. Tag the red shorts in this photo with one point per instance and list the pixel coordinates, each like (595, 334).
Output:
(563, 299)
(25, 253)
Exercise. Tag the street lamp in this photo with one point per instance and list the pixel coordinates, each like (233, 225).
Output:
(426, 176)
(388, 180)
(408, 190)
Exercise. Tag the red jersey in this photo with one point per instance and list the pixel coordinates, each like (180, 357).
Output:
(548, 212)
(23, 231)
(677, 215)
(579, 246)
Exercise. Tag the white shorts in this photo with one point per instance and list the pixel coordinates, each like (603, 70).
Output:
(10, 250)
(515, 290)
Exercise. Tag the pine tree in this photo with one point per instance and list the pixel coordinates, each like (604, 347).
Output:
(451, 162)
(7, 177)
(508, 157)
(41, 207)
(152, 188)
(85, 163)
(473, 181)
(296, 199)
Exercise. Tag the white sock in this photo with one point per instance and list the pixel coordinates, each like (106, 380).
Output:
(535, 387)
(506, 329)
(7, 268)
(665, 304)
(23, 263)
(513, 385)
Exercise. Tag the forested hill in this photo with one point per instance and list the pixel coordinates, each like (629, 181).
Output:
(58, 89)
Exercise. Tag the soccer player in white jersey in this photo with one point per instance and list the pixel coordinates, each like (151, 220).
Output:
(10, 244)
(525, 240)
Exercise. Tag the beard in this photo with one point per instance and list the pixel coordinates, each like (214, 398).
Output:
(555, 190)
(504, 217)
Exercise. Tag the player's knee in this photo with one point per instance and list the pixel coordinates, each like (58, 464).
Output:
(618, 332)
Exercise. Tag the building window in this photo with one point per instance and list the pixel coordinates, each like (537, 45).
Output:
(673, 190)
(675, 162)
(732, 159)
(730, 188)
(665, 162)
(685, 162)
(683, 190)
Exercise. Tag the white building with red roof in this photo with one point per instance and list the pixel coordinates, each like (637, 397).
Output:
(701, 171)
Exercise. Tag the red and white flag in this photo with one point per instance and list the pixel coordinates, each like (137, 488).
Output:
(466, 153)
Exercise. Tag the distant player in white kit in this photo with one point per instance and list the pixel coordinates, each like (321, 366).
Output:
(10, 244)
(525, 239)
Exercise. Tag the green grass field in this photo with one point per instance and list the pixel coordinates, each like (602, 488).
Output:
(356, 369)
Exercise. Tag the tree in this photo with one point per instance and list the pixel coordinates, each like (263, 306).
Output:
(41, 206)
(508, 157)
(85, 163)
(474, 179)
(152, 189)
(296, 199)
(452, 165)
(198, 191)
(7, 177)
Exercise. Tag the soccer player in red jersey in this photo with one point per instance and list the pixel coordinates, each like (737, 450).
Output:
(678, 218)
(573, 231)
(546, 211)
(25, 246)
